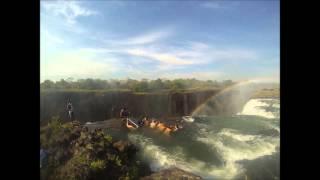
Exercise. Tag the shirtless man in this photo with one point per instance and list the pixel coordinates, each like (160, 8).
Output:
(161, 126)
(152, 124)
(146, 121)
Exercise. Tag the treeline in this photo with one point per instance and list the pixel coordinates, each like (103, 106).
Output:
(134, 85)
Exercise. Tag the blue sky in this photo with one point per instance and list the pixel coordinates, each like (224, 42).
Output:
(121, 39)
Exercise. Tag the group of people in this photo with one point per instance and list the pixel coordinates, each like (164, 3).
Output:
(124, 115)
(154, 124)
(151, 123)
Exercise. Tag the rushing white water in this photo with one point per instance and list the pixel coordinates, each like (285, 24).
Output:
(231, 146)
(230, 139)
(212, 146)
(234, 146)
(259, 107)
(188, 119)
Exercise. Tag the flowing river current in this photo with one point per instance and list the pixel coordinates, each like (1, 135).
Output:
(218, 147)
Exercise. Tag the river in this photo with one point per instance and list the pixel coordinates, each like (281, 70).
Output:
(218, 147)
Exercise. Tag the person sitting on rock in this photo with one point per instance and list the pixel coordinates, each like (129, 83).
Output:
(161, 126)
(173, 128)
(168, 129)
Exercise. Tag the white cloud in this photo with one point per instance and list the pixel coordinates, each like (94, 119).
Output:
(148, 38)
(211, 5)
(142, 39)
(148, 46)
(196, 53)
(69, 10)
(160, 57)
(49, 38)
(169, 57)
(97, 50)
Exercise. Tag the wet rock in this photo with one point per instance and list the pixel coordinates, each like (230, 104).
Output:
(122, 145)
(269, 132)
(172, 174)
(265, 167)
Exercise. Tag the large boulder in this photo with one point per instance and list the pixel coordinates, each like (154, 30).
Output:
(172, 174)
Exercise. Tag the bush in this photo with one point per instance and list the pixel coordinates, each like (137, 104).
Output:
(108, 138)
(98, 165)
(82, 155)
(76, 168)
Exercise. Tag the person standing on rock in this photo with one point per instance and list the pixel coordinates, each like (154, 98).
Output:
(70, 110)
(43, 157)
(124, 113)
(121, 112)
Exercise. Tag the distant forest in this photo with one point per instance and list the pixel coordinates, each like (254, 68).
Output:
(143, 85)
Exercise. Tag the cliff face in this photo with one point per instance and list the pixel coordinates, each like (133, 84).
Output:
(98, 106)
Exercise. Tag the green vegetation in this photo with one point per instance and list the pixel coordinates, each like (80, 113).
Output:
(76, 153)
(131, 85)
(267, 93)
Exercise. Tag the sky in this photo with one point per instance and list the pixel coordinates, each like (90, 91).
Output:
(121, 39)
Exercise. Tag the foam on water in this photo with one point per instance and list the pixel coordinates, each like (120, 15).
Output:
(157, 156)
(257, 107)
(230, 144)
(188, 119)
(160, 158)
(233, 134)
(247, 147)
(276, 105)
